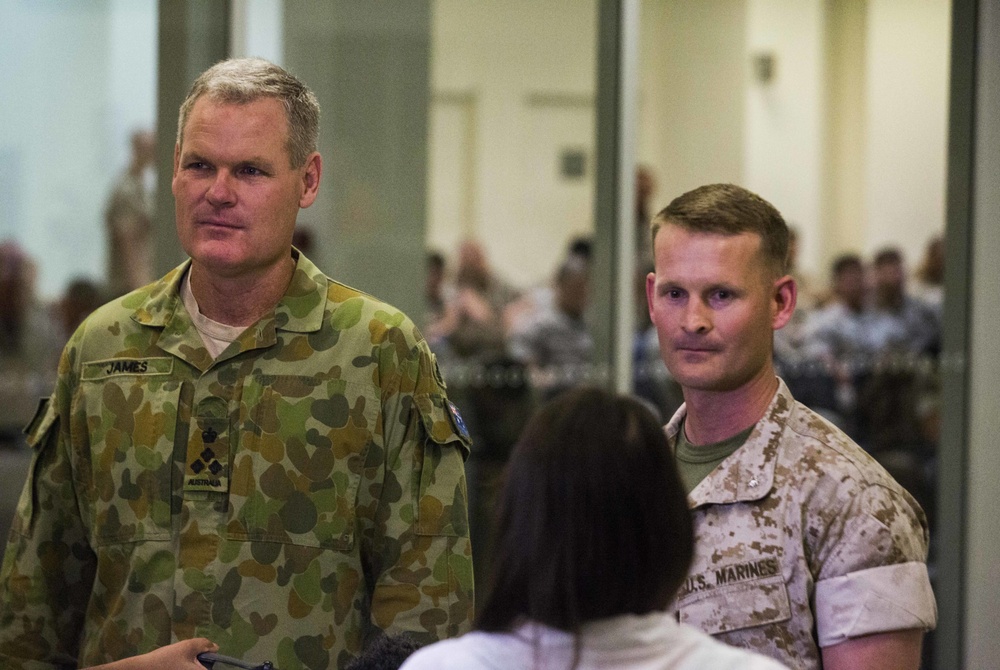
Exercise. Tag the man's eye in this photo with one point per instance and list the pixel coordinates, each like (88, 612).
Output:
(723, 296)
(252, 171)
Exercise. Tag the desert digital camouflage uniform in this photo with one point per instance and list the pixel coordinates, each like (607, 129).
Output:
(284, 500)
(803, 541)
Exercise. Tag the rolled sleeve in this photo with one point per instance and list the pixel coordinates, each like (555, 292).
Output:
(874, 578)
(876, 600)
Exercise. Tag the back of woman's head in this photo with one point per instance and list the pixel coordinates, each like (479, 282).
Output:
(592, 521)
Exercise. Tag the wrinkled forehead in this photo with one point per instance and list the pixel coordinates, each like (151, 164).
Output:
(220, 100)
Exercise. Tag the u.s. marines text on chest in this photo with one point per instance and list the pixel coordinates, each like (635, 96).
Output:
(730, 574)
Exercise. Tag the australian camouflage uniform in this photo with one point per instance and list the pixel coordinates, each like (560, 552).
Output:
(285, 500)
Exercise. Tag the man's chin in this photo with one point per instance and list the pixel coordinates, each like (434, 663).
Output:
(701, 380)
(220, 264)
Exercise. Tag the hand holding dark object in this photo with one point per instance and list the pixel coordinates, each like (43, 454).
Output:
(210, 658)
(182, 655)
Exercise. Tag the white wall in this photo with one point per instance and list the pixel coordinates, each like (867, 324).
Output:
(845, 110)
(850, 179)
(691, 98)
(908, 58)
(526, 69)
(783, 149)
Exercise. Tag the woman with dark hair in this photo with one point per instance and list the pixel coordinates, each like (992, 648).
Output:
(593, 539)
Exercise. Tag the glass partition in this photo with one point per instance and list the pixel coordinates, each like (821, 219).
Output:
(837, 113)
(460, 181)
(77, 136)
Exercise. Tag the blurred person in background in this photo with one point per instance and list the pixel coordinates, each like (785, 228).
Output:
(486, 383)
(437, 295)
(540, 299)
(899, 401)
(475, 322)
(129, 219)
(556, 344)
(811, 384)
(929, 284)
(81, 297)
(912, 324)
(811, 294)
(29, 345)
(840, 346)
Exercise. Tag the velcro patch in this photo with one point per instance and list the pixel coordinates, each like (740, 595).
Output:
(207, 466)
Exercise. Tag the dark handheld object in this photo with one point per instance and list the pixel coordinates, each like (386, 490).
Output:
(210, 658)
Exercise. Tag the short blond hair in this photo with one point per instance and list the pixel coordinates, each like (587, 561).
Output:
(727, 209)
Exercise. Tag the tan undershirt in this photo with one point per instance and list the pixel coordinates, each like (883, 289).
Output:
(216, 336)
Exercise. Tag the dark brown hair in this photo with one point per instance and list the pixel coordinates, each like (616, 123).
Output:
(845, 262)
(727, 209)
(592, 519)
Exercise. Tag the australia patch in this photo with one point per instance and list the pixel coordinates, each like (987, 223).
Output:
(456, 418)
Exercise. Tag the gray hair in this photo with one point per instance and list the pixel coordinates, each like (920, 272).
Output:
(240, 81)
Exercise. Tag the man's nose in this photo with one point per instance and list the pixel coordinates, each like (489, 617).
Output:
(696, 318)
(220, 192)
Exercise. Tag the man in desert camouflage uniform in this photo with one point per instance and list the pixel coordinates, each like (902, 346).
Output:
(244, 450)
(806, 551)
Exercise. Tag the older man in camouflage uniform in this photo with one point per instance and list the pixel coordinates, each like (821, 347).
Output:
(807, 551)
(244, 450)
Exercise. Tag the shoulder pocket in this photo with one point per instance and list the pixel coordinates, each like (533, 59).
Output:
(41, 433)
(734, 607)
(442, 502)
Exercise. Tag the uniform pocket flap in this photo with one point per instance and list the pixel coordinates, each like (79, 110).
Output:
(442, 503)
(40, 424)
(737, 606)
(443, 422)
(38, 431)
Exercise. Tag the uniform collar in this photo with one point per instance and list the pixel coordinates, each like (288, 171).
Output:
(300, 310)
(748, 474)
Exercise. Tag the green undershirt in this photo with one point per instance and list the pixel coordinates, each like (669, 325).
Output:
(694, 463)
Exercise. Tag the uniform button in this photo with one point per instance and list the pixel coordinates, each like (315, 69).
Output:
(753, 483)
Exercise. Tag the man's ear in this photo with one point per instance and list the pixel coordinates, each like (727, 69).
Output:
(310, 179)
(650, 292)
(784, 293)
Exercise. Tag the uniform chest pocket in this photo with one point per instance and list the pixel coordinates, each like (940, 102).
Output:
(733, 607)
(131, 410)
(296, 472)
